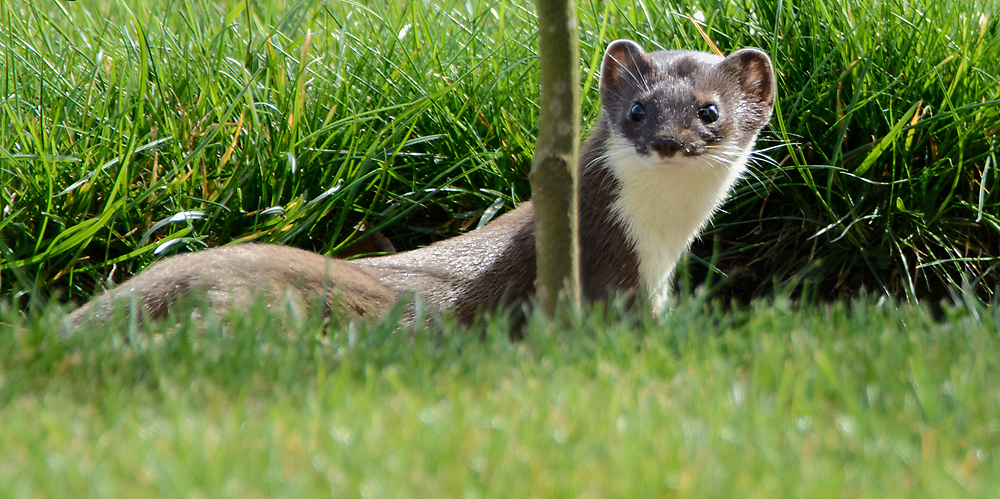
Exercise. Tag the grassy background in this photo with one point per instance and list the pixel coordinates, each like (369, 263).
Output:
(845, 400)
(171, 126)
(133, 130)
(891, 110)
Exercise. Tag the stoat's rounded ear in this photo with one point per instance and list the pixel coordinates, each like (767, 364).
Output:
(622, 58)
(751, 69)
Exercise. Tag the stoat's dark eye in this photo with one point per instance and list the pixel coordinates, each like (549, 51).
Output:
(636, 113)
(709, 113)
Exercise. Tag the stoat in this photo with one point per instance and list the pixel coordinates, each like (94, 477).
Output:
(674, 134)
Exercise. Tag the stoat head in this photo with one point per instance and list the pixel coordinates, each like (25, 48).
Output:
(676, 131)
(683, 109)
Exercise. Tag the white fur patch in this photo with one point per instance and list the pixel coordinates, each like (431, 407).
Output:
(664, 203)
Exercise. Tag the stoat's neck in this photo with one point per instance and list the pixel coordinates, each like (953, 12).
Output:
(663, 207)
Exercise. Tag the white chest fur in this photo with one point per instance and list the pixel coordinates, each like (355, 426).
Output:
(664, 203)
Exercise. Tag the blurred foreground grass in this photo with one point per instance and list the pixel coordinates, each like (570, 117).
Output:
(844, 400)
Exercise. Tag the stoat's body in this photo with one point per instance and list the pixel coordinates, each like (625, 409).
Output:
(675, 132)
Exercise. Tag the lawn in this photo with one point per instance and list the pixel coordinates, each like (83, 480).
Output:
(809, 353)
(859, 399)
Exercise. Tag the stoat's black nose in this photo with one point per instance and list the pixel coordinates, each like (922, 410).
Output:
(666, 147)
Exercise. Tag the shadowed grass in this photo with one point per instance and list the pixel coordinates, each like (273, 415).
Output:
(891, 110)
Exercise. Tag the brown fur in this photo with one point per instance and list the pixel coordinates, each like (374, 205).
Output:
(232, 275)
(470, 273)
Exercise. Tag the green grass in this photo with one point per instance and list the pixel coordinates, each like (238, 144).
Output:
(891, 109)
(845, 400)
(199, 124)
(134, 130)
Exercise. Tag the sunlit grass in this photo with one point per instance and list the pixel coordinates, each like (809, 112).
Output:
(852, 400)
